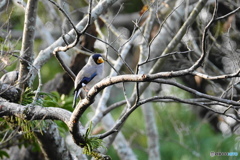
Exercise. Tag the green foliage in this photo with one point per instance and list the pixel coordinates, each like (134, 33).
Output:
(92, 143)
(53, 99)
(44, 99)
(133, 6)
(1, 41)
(27, 97)
(24, 126)
(17, 131)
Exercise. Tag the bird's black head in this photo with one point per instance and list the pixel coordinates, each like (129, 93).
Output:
(98, 59)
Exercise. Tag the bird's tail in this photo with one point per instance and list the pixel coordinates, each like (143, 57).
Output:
(76, 95)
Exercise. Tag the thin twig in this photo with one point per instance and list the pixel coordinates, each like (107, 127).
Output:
(65, 14)
(113, 106)
(204, 36)
(38, 89)
(163, 56)
(125, 95)
(228, 14)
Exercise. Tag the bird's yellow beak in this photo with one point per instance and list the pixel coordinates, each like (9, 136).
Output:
(100, 60)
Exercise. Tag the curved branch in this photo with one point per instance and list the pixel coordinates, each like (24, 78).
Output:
(85, 103)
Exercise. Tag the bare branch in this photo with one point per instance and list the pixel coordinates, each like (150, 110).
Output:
(170, 47)
(111, 107)
(148, 111)
(197, 93)
(205, 76)
(151, 128)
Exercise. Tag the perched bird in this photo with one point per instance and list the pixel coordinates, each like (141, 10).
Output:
(89, 75)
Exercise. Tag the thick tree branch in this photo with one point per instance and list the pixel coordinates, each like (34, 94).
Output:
(27, 43)
(33, 112)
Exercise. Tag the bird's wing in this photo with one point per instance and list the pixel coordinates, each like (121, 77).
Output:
(85, 80)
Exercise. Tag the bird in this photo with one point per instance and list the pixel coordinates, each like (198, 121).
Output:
(89, 75)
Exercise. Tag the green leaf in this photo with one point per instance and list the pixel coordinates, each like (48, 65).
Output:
(4, 154)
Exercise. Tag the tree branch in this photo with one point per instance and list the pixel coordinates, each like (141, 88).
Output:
(33, 112)
(27, 43)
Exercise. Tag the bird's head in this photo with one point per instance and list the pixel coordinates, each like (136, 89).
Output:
(98, 59)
